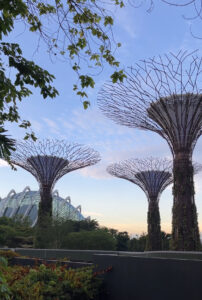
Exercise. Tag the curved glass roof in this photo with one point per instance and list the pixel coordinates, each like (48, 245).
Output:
(26, 204)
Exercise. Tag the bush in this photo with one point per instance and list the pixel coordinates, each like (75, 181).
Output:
(5, 292)
(15, 232)
(8, 254)
(90, 240)
(50, 283)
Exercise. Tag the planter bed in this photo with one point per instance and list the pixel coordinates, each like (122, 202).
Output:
(21, 261)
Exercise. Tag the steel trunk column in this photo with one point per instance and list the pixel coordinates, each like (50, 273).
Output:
(154, 227)
(185, 232)
(45, 205)
(44, 221)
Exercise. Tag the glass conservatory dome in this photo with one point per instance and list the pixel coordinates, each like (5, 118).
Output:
(26, 204)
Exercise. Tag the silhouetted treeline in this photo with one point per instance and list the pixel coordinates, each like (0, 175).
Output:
(68, 234)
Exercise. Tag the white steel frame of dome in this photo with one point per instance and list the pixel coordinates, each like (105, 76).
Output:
(164, 94)
(152, 175)
(49, 160)
(62, 208)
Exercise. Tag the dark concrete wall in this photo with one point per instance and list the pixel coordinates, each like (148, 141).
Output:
(87, 255)
(74, 255)
(139, 278)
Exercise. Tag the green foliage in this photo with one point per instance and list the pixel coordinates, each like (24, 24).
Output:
(6, 144)
(49, 282)
(43, 237)
(138, 244)
(52, 233)
(15, 232)
(5, 292)
(122, 239)
(27, 74)
(118, 76)
(166, 241)
(79, 31)
(89, 240)
(8, 254)
(185, 231)
(154, 241)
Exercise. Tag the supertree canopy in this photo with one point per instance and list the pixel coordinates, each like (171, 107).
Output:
(163, 95)
(48, 161)
(152, 175)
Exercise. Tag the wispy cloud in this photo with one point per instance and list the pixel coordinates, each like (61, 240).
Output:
(52, 125)
(36, 126)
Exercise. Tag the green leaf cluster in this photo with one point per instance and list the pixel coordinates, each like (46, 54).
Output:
(49, 282)
(82, 33)
(26, 74)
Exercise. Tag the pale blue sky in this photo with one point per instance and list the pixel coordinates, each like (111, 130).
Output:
(113, 202)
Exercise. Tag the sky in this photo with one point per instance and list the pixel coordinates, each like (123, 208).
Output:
(113, 202)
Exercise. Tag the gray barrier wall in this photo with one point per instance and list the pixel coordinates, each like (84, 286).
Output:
(140, 278)
(88, 255)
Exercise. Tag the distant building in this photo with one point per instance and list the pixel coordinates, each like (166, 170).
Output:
(26, 204)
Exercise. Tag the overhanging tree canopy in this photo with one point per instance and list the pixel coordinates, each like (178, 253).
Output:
(79, 32)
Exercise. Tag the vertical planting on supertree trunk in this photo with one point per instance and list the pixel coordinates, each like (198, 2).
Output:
(185, 230)
(163, 94)
(154, 227)
(152, 175)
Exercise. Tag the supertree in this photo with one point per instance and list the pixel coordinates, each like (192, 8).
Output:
(163, 95)
(48, 161)
(152, 175)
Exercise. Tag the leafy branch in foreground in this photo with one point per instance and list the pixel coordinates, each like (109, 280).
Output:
(195, 5)
(26, 73)
(79, 31)
(6, 144)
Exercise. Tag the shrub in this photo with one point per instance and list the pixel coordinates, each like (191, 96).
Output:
(5, 292)
(8, 254)
(90, 240)
(51, 283)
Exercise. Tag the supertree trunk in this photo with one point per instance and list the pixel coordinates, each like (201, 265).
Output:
(185, 232)
(154, 228)
(45, 205)
(152, 175)
(44, 221)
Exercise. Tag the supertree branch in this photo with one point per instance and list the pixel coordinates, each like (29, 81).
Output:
(48, 161)
(164, 95)
(168, 84)
(152, 175)
(195, 4)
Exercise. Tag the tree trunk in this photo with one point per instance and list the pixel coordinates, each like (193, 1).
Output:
(44, 223)
(185, 231)
(154, 228)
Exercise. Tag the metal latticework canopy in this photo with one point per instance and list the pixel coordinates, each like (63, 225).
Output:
(164, 94)
(152, 175)
(49, 160)
(161, 94)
